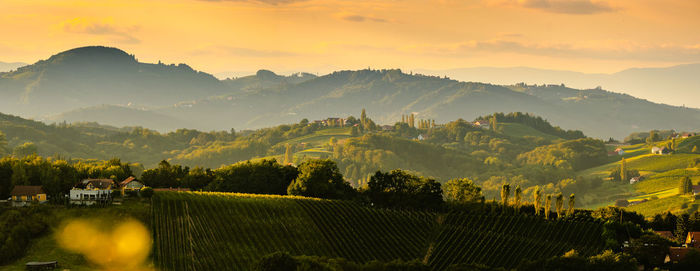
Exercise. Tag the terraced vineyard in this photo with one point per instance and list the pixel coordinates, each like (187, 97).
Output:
(214, 231)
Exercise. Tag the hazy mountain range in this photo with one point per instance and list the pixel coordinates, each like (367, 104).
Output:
(110, 86)
(677, 85)
(6, 67)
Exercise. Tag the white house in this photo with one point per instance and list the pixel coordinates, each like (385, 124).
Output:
(635, 180)
(92, 191)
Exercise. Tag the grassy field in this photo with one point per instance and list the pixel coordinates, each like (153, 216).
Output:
(662, 175)
(46, 247)
(214, 231)
(321, 137)
(669, 204)
(520, 130)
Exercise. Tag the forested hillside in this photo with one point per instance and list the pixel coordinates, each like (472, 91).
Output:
(74, 85)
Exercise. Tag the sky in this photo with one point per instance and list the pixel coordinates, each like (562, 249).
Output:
(242, 36)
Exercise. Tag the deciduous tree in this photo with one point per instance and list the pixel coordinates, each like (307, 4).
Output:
(462, 190)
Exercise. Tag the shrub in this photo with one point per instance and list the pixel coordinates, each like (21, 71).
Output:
(146, 192)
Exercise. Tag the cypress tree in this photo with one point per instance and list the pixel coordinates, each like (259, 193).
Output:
(505, 193)
(686, 186)
(518, 198)
(547, 206)
(559, 204)
(537, 199)
(288, 155)
(623, 170)
(363, 118)
(572, 201)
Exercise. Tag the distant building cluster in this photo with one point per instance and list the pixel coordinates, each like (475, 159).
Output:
(332, 122)
(676, 254)
(86, 192)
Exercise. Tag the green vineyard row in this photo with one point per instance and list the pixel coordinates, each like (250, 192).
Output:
(216, 231)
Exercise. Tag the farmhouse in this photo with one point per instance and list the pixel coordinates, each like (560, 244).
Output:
(620, 151)
(693, 239)
(662, 150)
(25, 195)
(676, 254)
(131, 184)
(482, 124)
(92, 191)
(635, 180)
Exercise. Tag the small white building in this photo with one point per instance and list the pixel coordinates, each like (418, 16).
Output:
(92, 191)
(635, 180)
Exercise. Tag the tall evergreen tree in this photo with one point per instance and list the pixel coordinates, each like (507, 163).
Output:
(682, 227)
(518, 197)
(623, 170)
(686, 186)
(572, 201)
(494, 123)
(288, 154)
(653, 137)
(559, 205)
(673, 144)
(3, 143)
(537, 198)
(547, 206)
(363, 118)
(505, 194)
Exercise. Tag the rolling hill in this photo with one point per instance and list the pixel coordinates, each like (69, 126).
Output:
(192, 234)
(96, 75)
(121, 116)
(676, 85)
(6, 67)
(91, 76)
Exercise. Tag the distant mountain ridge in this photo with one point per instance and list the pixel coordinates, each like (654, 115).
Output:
(8, 66)
(95, 75)
(678, 85)
(69, 86)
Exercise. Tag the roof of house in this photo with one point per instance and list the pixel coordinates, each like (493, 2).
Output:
(678, 253)
(694, 235)
(26, 190)
(127, 181)
(99, 183)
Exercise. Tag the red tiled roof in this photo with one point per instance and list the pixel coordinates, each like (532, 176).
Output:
(26, 190)
(678, 253)
(127, 181)
(99, 183)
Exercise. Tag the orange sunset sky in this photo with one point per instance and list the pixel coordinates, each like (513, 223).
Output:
(322, 36)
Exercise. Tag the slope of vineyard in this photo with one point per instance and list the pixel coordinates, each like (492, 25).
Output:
(214, 231)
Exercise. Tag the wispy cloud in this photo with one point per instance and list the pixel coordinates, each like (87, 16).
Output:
(87, 26)
(269, 2)
(612, 50)
(243, 52)
(564, 6)
(360, 18)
